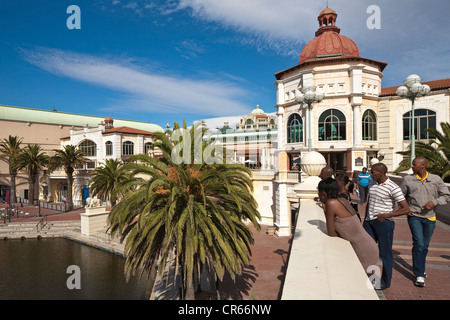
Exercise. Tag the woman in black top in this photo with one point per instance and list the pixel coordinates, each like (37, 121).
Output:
(345, 189)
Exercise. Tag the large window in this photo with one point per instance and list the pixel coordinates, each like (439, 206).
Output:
(423, 120)
(89, 148)
(128, 148)
(369, 125)
(295, 129)
(109, 148)
(147, 147)
(332, 125)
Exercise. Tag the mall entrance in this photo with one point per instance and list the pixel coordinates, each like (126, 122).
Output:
(337, 160)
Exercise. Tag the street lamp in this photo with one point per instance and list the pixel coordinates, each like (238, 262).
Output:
(412, 90)
(309, 96)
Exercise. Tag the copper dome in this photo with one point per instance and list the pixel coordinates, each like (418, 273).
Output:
(328, 41)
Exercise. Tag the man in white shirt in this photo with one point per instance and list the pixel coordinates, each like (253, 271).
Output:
(381, 208)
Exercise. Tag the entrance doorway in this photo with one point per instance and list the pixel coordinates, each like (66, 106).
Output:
(337, 160)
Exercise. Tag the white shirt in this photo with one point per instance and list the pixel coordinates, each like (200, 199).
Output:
(383, 197)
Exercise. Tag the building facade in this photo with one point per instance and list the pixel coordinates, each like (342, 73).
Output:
(49, 129)
(357, 120)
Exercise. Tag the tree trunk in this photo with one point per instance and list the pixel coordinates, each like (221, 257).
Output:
(12, 196)
(190, 292)
(31, 182)
(69, 188)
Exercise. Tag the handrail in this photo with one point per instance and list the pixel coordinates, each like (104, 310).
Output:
(41, 223)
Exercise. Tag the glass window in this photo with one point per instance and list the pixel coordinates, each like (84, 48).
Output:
(89, 148)
(332, 125)
(424, 119)
(147, 147)
(369, 125)
(109, 148)
(128, 148)
(295, 129)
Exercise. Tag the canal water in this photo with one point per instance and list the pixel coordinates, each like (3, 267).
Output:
(40, 270)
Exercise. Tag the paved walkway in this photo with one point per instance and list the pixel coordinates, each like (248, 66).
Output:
(437, 284)
(263, 278)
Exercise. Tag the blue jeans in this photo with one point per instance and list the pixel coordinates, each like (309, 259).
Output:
(421, 229)
(383, 233)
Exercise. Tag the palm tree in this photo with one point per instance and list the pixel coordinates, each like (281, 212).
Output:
(106, 178)
(185, 215)
(32, 160)
(9, 149)
(68, 158)
(436, 151)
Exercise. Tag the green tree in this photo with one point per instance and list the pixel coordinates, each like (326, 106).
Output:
(9, 149)
(68, 159)
(106, 178)
(32, 160)
(185, 215)
(436, 151)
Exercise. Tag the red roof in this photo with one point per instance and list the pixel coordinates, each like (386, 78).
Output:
(127, 130)
(434, 85)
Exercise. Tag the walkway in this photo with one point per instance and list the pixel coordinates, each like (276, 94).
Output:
(437, 284)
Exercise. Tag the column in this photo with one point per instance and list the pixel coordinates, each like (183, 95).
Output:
(357, 126)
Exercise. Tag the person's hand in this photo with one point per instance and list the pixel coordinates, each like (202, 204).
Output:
(382, 217)
(429, 205)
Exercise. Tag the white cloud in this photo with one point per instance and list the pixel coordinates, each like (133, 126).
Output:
(144, 90)
(407, 27)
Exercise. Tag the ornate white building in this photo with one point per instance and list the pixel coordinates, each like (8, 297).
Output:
(356, 121)
(98, 144)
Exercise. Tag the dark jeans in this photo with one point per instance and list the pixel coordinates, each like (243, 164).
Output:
(383, 233)
(421, 229)
(363, 192)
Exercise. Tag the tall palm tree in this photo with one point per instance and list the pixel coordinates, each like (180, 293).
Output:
(9, 149)
(32, 160)
(185, 215)
(106, 178)
(68, 158)
(436, 151)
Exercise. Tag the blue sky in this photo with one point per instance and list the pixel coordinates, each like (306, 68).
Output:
(164, 61)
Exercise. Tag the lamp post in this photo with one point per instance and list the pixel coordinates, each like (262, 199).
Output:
(309, 96)
(412, 90)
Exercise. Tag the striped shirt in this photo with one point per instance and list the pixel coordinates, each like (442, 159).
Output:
(383, 197)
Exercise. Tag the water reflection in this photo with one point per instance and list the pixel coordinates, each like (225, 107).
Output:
(37, 269)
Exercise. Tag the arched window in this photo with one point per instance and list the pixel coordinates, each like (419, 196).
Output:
(423, 120)
(249, 121)
(128, 148)
(109, 148)
(294, 129)
(147, 147)
(332, 125)
(369, 125)
(89, 148)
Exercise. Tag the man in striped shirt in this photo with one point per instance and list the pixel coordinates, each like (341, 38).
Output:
(381, 208)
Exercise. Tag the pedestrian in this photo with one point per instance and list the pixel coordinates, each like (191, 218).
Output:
(379, 221)
(423, 191)
(342, 221)
(363, 184)
(346, 189)
(326, 172)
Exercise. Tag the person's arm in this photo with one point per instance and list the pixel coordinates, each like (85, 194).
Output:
(402, 210)
(443, 196)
